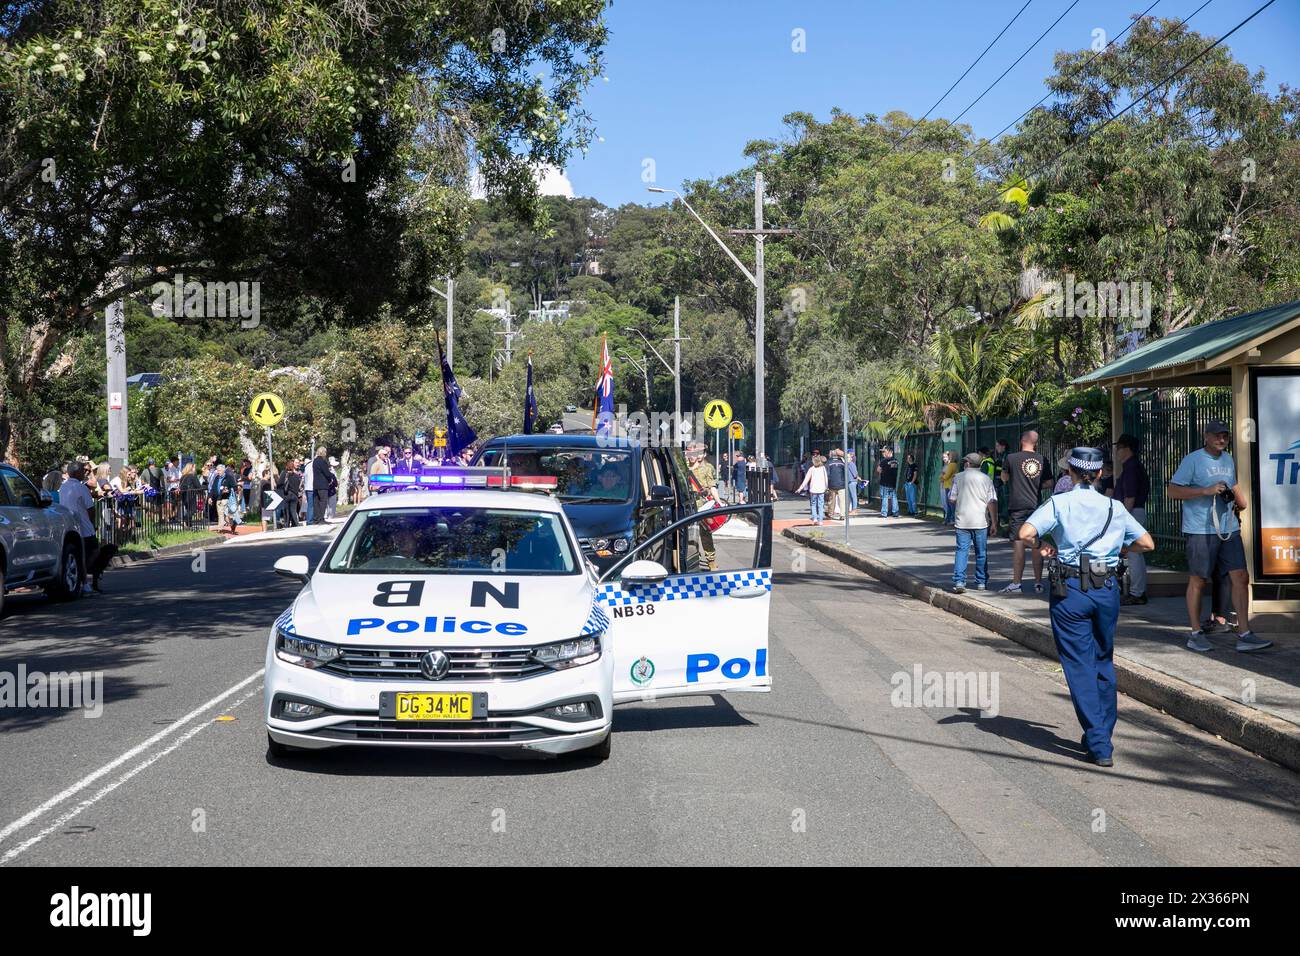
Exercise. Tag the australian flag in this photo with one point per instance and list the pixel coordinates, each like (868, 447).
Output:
(530, 401)
(459, 435)
(602, 419)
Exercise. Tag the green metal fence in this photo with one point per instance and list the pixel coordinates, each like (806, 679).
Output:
(1168, 425)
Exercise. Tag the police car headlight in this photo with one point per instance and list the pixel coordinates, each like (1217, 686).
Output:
(571, 653)
(303, 651)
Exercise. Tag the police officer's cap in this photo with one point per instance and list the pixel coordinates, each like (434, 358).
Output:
(1086, 459)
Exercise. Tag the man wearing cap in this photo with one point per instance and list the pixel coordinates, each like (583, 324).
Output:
(1206, 484)
(1089, 534)
(1133, 487)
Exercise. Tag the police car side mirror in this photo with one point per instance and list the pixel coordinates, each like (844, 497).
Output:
(294, 566)
(644, 572)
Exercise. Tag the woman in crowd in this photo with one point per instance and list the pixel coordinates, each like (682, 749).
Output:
(946, 476)
(1065, 482)
(230, 511)
(191, 493)
(126, 491)
(815, 483)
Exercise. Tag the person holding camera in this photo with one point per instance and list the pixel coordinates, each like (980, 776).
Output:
(1206, 484)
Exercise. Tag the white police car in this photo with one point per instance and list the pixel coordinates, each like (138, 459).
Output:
(465, 618)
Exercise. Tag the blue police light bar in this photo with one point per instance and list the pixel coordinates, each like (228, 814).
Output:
(461, 477)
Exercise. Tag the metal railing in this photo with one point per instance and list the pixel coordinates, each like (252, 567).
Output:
(139, 517)
(1169, 425)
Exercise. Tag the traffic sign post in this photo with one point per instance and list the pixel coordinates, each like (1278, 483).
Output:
(717, 415)
(267, 409)
(844, 421)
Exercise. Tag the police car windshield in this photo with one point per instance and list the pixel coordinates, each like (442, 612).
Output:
(582, 474)
(453, 541)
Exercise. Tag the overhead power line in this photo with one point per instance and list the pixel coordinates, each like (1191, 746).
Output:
(964, 73)
(1014, 63)
(1093, 131)
(1094, 56)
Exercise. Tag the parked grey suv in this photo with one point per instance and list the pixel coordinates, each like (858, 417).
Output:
(40, 545)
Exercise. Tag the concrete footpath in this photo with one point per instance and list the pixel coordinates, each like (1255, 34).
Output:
(1252, 700)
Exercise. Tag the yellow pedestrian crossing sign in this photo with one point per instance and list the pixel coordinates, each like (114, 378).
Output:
(738, 431)
(267, 409)
(717, 414)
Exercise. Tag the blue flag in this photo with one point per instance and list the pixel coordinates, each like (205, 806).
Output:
(459, 435)
(602, 418)
(530, 402)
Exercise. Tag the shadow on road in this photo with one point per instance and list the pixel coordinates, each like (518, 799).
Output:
(145, 607)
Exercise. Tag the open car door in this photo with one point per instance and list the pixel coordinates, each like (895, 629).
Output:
(700, 632)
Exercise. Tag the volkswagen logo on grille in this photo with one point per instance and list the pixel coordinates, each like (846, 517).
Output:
(434, 665)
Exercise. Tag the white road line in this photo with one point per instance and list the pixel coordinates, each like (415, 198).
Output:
(131, 754)
(63, 820)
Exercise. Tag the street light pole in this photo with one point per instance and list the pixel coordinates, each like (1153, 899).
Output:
(756, 278)
(760, 393)
(450, 296)
(451, 300)
(677, 370)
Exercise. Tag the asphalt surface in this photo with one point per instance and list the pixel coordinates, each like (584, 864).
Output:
(825, 769)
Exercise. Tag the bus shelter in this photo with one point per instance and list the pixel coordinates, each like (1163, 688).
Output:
(1257, 355)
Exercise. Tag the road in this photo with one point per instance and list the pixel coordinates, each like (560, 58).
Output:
(822, 770)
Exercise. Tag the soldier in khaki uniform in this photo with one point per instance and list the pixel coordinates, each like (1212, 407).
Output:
(707, 480)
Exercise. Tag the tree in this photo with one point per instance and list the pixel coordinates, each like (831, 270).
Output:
(321, 150)
(1195, 190)
(977, 371)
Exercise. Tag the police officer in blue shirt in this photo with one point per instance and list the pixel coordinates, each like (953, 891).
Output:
(1091, 533)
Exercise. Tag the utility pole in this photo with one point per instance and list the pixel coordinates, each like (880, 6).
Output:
(450, 296)
(115, 352)
(760, 392)
(760, 234)
(504, 354)
(677, 370)
(451, 302)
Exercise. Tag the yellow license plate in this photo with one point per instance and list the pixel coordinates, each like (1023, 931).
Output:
(434, 706)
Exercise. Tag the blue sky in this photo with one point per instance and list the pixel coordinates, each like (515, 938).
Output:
(691, 83)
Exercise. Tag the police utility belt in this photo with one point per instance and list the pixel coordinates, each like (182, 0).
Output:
(1091, 572)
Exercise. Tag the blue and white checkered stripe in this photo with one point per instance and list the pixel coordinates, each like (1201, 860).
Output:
(683, 587)
(285, 621)
(597, 620)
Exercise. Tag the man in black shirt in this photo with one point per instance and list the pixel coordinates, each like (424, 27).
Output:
(321, 473)
(887, 473)
(1024, 474)
(1132, 487)
(291, 488)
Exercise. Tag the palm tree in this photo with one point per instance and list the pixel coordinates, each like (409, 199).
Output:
(978, 371)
